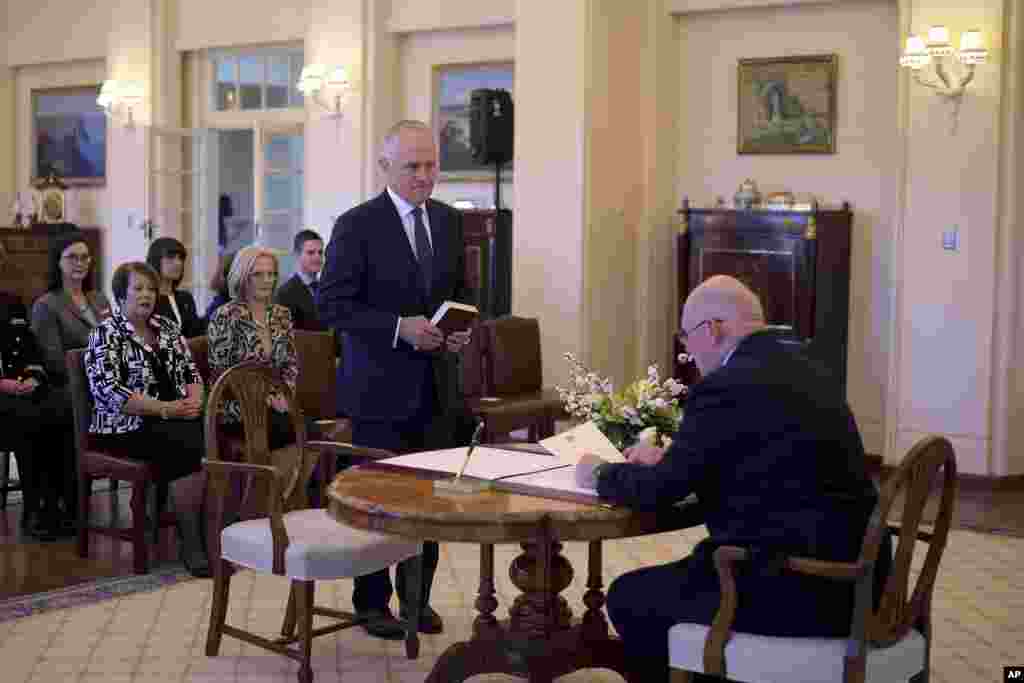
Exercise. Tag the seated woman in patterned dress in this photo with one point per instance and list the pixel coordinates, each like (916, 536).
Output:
(251, 327)
(148, 396)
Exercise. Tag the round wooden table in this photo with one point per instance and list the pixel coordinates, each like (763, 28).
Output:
(540, 640)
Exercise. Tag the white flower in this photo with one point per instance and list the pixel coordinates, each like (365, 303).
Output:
(649, 435)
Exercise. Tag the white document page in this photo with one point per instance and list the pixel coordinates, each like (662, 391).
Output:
(485, 463)
(562, 479)
(571, 444)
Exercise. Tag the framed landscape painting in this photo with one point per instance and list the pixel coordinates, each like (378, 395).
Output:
(69, 135)
(453, 86)
(787, 105)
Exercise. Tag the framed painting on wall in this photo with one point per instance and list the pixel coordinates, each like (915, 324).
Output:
(69, 132)
(786, 105)
(452, 88)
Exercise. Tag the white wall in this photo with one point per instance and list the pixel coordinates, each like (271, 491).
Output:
(428, 15)
(43, 31)
(219, 23)
(863, 171)
(418, 55)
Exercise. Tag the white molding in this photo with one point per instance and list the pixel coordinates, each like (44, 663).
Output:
(693, 6)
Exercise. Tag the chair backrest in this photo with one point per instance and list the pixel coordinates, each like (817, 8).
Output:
(317, 373)
(250, 383)
(512, 355)
(901, 609)
(473, 381)
(81, 397)
(199, 347)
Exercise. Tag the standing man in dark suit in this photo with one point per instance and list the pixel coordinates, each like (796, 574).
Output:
(298, 294)
(777, 464)
(391, 262)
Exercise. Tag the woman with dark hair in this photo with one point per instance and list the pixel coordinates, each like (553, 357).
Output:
(167, 256)
(147, 399)
(219, 285)
(63, 317)
(35, 422)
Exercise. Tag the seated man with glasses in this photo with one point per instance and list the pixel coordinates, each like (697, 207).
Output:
(776, 461)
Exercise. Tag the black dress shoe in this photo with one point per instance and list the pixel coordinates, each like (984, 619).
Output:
(430, 621)
(381, 623)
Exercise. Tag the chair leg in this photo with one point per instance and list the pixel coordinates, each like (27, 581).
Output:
(288, 627)
(303, 591)
(140, 552)
(218, 607)
(84, 489)
(679, 676)
(414, 583)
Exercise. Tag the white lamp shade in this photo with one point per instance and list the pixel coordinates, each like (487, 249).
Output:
(130, 92)
(915, 55)
(338, 77)
(108, 94)
(312, 78)
(971, 49)
(938, 35)
(970, 40)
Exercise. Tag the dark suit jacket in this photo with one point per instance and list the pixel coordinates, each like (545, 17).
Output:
(371, 277)
(295, 295)
(60, 327)
(191, 324)
(20, 357)
(776, 460)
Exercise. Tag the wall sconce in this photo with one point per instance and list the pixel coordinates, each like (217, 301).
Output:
(939, 52)
(119, 98)
(319, 81)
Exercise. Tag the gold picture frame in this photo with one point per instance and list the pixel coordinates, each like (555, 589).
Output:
(451, 88)
(787, 105)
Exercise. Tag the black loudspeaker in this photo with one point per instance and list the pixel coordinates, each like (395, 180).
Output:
(490, 126)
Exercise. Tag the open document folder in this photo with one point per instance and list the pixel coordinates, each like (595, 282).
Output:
(570, 445)
(486, 463)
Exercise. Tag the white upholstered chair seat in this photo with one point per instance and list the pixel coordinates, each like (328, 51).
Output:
(319, 547)
(767, 659)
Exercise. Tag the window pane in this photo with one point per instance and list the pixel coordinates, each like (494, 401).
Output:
(251, 75)
(225, 89)
(296, 63)
(278, 72)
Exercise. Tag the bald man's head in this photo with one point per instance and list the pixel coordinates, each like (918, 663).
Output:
(728, 310)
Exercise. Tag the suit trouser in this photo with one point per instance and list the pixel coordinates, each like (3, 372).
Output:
(373, 591)
(644, 604)
(38, 428)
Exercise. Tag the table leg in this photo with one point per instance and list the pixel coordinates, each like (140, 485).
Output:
(486, 626)
(540, 643)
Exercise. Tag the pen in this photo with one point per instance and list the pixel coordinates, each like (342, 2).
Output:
(473, 443)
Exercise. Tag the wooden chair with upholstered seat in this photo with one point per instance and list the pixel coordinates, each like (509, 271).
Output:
(890, 644)
(94, 463)
(514, 395)
(277, 533)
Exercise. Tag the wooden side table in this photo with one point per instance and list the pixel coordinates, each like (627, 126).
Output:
(539, 640)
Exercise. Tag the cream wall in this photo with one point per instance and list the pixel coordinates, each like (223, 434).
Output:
(48, 31)
(864, 170)
(219, 23)
(418, 55)
(430, 15)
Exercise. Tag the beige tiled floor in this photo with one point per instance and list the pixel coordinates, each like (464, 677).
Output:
(160, 636)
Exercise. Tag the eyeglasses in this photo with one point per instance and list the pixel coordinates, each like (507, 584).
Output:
(682, 335)
(78, 258)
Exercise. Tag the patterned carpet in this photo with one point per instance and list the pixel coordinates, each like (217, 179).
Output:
(91, 592)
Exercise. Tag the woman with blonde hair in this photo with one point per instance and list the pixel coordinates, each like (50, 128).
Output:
(252, 327)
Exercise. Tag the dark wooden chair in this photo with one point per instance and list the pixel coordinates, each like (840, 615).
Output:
(95, 463)
(890, 644)
(514, 396)
(277, 533)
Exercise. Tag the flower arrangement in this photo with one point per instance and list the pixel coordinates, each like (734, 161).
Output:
(646, 410)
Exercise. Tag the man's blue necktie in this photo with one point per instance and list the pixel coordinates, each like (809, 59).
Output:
(424, 254)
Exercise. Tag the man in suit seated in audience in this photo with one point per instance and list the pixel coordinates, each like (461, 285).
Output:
(298, 294)
(774, 456)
